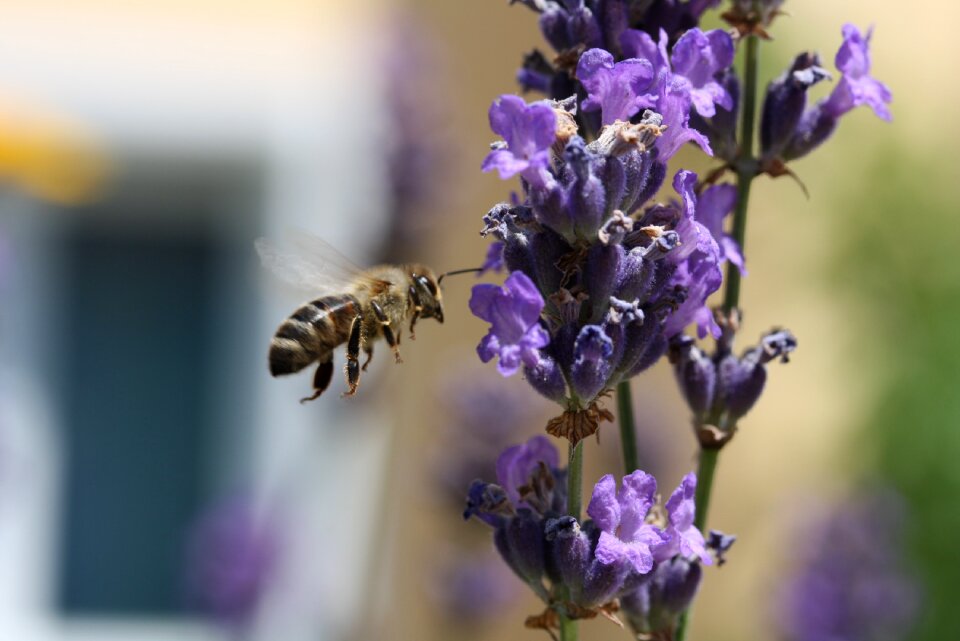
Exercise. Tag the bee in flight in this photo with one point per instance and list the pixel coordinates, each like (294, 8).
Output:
(357, 308)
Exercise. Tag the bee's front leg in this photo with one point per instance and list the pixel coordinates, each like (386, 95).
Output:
(417, 309)
(352, 368)
(368, 350)
(387, 330)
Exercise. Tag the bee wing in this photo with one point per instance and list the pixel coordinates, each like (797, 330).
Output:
(310, 264)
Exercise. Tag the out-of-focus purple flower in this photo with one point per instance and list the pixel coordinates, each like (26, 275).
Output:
(683, 536)
(528, 132)
(618, 90)
(472, 587)
(715, 204)
(231, 559)
(625, 537)
(517, 464)
(849, 583)
(514, 313)
(697, 58)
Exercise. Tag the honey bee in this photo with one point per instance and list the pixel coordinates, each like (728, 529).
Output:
(357, 307)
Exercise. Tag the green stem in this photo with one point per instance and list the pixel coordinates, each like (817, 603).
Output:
(575, 480)
(628, 432)
(705, 472)
(746, 167)
(568, 627)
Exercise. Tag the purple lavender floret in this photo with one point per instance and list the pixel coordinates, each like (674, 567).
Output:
(698, 58)
(848, 581)
(683, 537)
(855, 88)
(619, 90)
(625, 537)
(714, 205)
(232, 557)
(528, 132)
(514, 313)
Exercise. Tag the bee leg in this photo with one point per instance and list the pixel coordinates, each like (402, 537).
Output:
(352, 368)
(387, 330)
(417, 309)
(321, 380)
(368, 349)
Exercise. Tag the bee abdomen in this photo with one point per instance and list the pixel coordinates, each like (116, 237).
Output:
(311, 333)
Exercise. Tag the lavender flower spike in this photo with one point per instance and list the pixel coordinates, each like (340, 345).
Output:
(514, 313)
(857, 87)
(685, 538)
(625, 537)
(528, 132)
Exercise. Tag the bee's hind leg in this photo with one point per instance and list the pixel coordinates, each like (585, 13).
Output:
(352, 369)
(321, 379)
(388, 334)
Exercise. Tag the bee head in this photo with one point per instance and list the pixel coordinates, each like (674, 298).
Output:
(426, 292)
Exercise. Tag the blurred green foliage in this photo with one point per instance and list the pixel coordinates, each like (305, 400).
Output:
(901, 258)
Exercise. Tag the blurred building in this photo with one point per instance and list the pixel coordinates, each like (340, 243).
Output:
(136, 319)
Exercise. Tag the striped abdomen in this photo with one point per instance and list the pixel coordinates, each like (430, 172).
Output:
(311, 333)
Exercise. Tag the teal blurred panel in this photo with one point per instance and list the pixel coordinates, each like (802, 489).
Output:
(134, 317)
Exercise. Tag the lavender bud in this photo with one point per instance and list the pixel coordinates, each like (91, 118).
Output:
(587, 196)
(742, 380)
(546, 249)
(602, 582)
(488, 502)
(592, 361)
(524, 539)
(547, 378)
(785, 101)
(720, 543)
(675, 583)
(536, 74)
(815, 127)
(600, 277)
(569, 552)
(696, 374)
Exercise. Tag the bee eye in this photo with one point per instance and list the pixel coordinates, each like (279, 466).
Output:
(427, 284)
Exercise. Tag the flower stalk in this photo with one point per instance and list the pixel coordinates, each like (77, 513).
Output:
(569, 630)
(746, 172)
(628, 432)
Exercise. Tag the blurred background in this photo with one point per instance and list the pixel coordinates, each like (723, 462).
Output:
(156, 483)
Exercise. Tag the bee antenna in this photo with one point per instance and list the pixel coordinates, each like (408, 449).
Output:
(472, 270)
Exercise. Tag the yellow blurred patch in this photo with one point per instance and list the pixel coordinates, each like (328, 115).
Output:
(48, 155)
